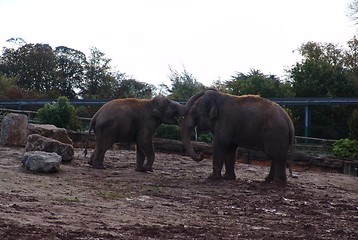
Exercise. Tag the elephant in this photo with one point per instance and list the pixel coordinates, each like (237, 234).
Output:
(247, 121)
(132, 121)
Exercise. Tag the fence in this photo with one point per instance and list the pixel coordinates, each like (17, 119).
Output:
(85, 122)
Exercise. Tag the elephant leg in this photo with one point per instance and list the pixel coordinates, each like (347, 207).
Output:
(277, 152)
(269, 177)
(230, 164)
(150, 160)
(98, 157)
(140, 160)
(277, 171)
(147, 149)
(218, 161)
(280, 170)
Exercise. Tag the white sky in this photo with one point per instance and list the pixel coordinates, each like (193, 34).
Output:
(212, 39)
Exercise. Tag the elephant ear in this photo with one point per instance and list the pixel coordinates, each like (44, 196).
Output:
(157, 105)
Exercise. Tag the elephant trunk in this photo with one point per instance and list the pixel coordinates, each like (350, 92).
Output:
(186, 130)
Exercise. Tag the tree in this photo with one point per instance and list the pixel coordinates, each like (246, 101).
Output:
(131, 88)
(321, 73)
(99, 80)
(325, 70)
(220, 85)
(351, 66)
(255, 82)
(70, 64)
(10, 90)
(183, 84)
(33, 65)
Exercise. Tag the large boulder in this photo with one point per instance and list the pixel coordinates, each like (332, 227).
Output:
(14, 130)
(50, 131)
(36, 142)
(42, 162)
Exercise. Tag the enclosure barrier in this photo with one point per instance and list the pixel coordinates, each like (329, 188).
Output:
(305, 102)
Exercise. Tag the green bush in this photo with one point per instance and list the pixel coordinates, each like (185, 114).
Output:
(346, 148)
(206, 137)
(168, 132)
(173, 132)
(61, 114)
(353, 125)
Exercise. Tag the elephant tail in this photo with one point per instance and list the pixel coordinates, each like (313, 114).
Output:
(89, 135)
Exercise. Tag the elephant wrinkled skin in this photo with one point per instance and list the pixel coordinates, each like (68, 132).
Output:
(131, 120)
(247, 121)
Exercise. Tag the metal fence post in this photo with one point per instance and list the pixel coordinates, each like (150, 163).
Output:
(307, 121)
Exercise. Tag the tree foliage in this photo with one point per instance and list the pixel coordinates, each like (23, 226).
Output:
(322, 72)
(40, 71)
(183, 84)
(255, 82)
(70, 64)
(98, 78)
(130, 88)
(10, 90)
(33, 65)
(326, 70)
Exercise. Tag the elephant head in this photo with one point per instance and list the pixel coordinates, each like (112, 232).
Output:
(166, 110)
(201, 112)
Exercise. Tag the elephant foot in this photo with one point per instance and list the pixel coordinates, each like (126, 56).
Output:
(215, 176)
(144, 169)
(140, 169)
(228, 176)
(98, 166)
(277, 179)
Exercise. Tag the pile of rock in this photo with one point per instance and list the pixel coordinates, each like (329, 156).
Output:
(46, 145)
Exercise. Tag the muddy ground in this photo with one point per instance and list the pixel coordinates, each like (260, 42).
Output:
(176, 201)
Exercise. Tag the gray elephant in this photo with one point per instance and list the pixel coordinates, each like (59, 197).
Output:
(131, 120)
(247, 121)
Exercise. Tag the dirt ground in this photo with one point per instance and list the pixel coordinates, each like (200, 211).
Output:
(176, 201)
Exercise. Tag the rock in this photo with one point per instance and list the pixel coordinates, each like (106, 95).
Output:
(50, 131)
(42, 162)
(36, 142)
(14, 130)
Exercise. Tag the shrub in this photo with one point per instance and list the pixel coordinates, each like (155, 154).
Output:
(61, 114)
(353, 125)
(168, 132)
(346, 148)
(206, 137)
(173, 132)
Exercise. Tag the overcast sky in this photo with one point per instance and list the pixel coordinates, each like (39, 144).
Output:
(211, 39)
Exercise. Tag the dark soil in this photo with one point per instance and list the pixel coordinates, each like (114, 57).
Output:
(176, 201)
